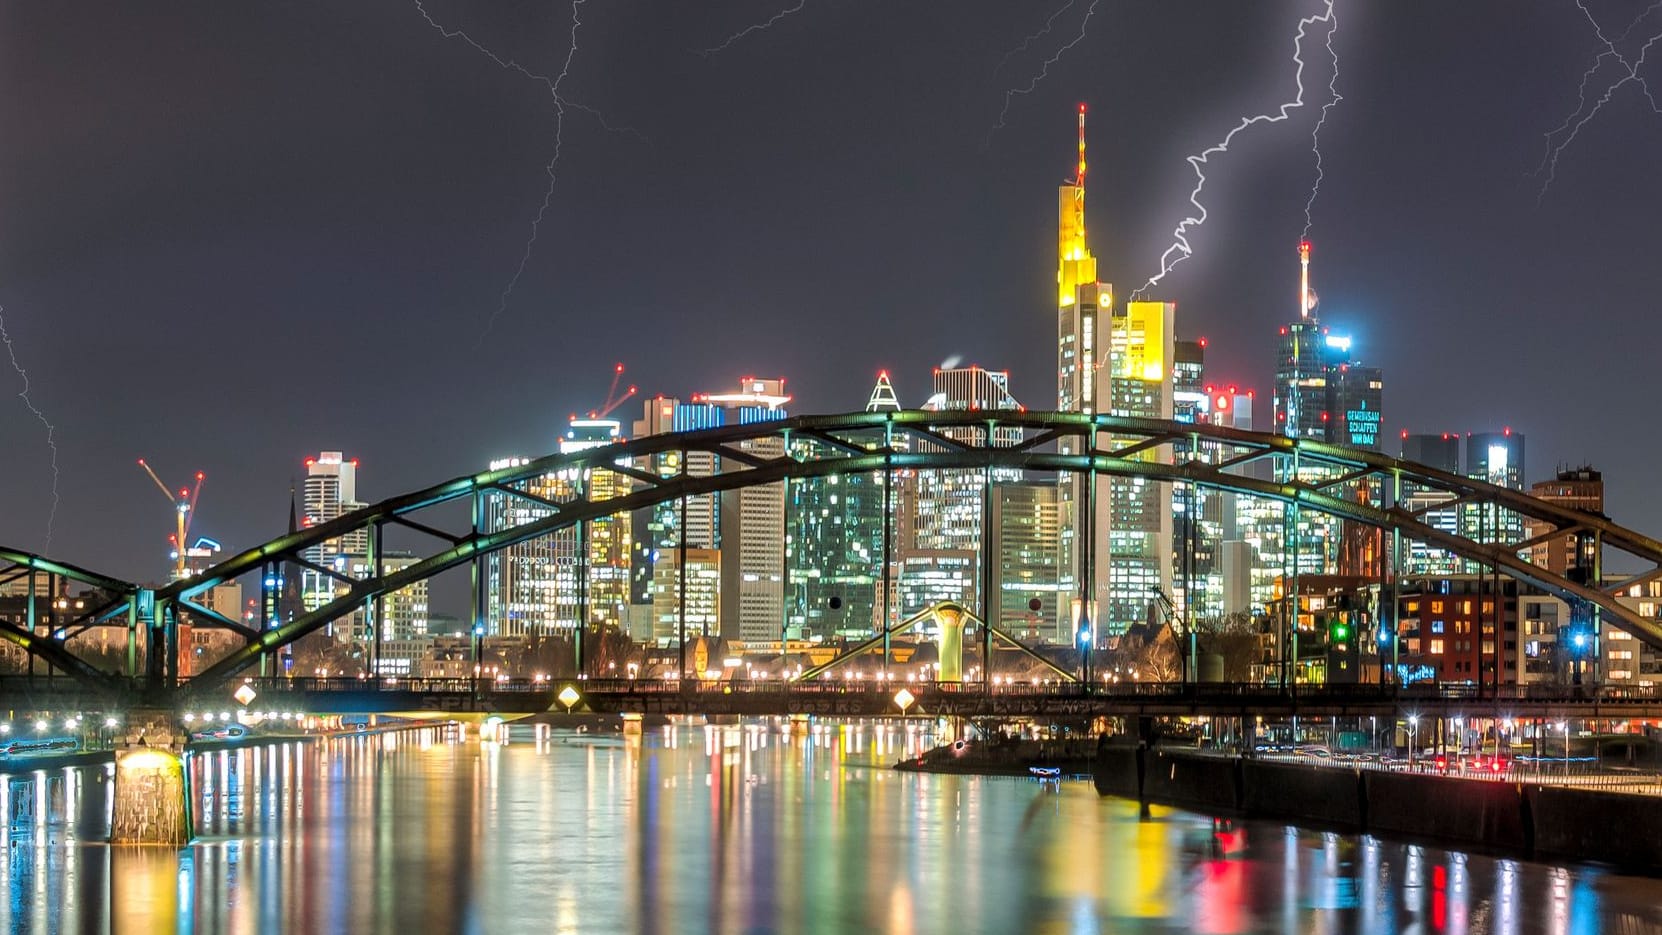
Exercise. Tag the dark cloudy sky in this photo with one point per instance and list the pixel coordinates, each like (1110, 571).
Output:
(232, 234)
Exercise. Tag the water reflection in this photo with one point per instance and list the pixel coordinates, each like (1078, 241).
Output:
(766, 826)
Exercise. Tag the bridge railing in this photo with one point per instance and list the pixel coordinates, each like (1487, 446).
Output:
(28, 689)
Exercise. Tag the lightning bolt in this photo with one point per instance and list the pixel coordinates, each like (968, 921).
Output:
(1334, 97)
(1180, 249)
(1044, 71)
(51, 430)
(1027, 42)
(560, 105)
(754, 27)
(1549, 160)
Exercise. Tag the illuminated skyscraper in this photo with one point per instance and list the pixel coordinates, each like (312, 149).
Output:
(1322, 394)
(1498, 458)
(944, 508)
(1140, 509)
(745, 526)
(330, 491)
(1083, 307)
(1301, 365)
(751, 525)
(1441, 452)
(835, 546)
(578, 574)
(1203, 518)
(1026, 547)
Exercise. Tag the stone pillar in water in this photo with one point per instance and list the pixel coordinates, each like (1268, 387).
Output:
(151, 803)
(951, 665)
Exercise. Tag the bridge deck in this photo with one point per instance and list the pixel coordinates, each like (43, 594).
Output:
(832, 698)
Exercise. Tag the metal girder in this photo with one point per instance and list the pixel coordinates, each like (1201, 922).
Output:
(827, 438)
(1140, 447)
(63, 570)
(451, 537)
(103, 612)
(1543, 538)
(1616, 587)
(743, 457)
(1343, 479)
(928, 426)
(235, 626)
(645, 477)
(1243, 458)
(945, 441)
(323, 570)
(54, 654)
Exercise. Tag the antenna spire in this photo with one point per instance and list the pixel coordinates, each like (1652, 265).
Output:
(1304, 279)
(1079, 179)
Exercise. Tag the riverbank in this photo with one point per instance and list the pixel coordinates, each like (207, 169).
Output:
(81, 758)
(1529, 820)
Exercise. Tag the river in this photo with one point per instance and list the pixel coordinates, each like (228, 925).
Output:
(729, 829)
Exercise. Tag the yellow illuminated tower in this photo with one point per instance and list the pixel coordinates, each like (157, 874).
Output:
(1083, 309)
(1076, 268)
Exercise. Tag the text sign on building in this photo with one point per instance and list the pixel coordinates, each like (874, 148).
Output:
(1362, 425)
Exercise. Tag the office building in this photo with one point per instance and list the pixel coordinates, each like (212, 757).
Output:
(835, 547)
(1139, 539)
(1083, 307)
(1578, 489)
(1026, 548)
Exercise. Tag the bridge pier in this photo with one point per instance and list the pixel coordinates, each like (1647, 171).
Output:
(151, 802)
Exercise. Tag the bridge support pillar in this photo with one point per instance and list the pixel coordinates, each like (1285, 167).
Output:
(950, 667)
(152, 805)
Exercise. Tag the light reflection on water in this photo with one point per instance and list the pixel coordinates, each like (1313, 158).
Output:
(728, 829)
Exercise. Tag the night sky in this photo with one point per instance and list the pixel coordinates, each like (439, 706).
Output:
(234, 234)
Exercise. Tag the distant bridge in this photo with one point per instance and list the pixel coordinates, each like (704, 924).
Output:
(437, 698)
(786, 451)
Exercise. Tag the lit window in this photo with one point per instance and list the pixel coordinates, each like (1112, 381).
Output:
(1436, 647)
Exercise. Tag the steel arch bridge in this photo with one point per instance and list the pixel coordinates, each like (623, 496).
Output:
(659, 470)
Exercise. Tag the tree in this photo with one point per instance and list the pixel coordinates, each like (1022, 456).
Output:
(1234, 637)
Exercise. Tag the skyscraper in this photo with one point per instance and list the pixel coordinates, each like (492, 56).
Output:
(1443, 453)
(1301, 365)
(575, 576)
(1140, 509)
(1322, 394)
(329, 492)
(1497, 458)
(751, 523)
(1439, 451)
(1026, 548)
(944, 508)
(1355, 396)
(1083, 305)
(835, 544)
(1579, 489)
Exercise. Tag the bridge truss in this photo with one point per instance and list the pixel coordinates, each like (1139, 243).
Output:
(672, 468)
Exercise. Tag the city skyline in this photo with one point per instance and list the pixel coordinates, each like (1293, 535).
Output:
(274, 287)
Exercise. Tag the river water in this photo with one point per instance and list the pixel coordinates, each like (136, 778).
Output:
(729, 829)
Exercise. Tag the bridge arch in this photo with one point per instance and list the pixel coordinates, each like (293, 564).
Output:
(821, 446)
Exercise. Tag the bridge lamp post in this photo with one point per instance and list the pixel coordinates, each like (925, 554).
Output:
(1083, 638)
(903, 699)
(568, 696)
(1413, 737)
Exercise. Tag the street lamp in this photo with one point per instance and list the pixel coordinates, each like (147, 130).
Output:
(1413, 737)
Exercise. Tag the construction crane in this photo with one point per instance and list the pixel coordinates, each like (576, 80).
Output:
(613, 398)
(1168, 609)
(184, 504)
